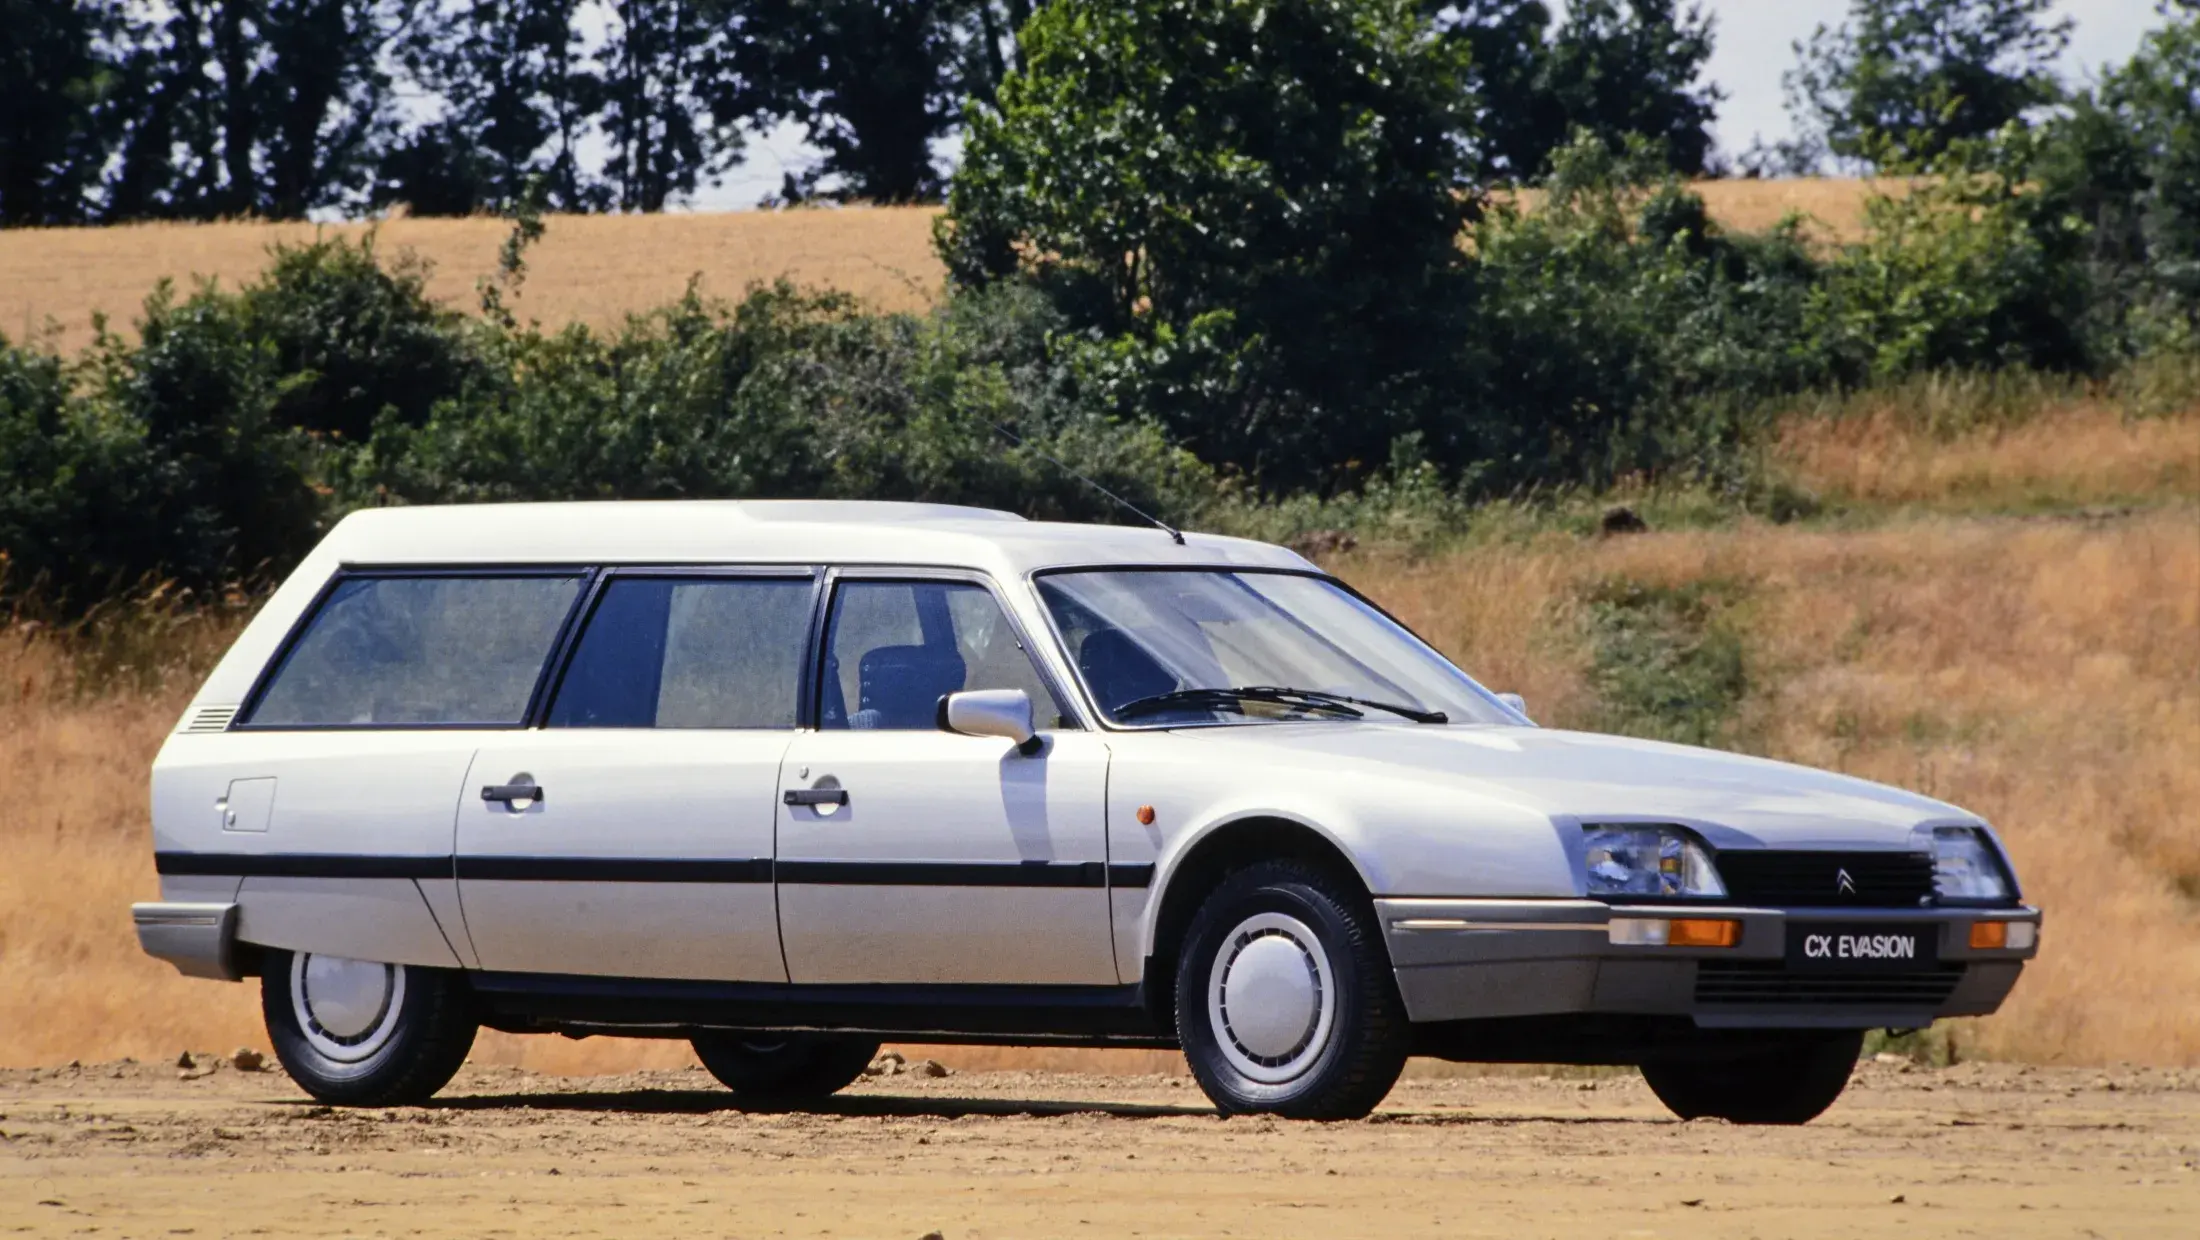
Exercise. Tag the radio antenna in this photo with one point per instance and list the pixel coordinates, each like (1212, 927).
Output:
(1134, 509)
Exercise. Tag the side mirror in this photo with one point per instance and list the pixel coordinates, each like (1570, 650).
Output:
(1515, 701)
(992, 712)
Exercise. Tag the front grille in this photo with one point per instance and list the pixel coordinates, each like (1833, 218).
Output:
(1814, 879)
(1768, 982)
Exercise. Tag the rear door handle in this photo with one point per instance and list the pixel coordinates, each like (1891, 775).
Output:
(509, 793)
(817, 796)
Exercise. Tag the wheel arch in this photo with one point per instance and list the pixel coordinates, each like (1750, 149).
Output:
(1202, 864)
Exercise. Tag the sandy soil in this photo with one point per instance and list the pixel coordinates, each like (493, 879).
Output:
(1990, 1150)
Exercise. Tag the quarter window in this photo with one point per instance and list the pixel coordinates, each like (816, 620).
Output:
(395, 650)
(897, 647)
(722, 652)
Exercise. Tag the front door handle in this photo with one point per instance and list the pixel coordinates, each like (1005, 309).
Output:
(817, 796)
(509, 793)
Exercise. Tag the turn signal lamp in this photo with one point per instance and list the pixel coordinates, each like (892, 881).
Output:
(1704, 932)
(1674, 931)
(2014, 935)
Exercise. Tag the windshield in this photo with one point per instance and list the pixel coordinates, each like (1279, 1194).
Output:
(1208, 646)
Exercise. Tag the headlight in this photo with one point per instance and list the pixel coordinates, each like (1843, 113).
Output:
(1966, 869)
(1649, 861)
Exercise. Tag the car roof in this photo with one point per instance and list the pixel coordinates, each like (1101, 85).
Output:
(768, 532)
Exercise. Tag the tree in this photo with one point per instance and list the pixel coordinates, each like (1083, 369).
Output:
(256, 107)
(1901, 80)
(669, 108)
(56, 101)
(1259, 202)
(1610, 68)
(2126, 161)
(876, 83)
(516, 95)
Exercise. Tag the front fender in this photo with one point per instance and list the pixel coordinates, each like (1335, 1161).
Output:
(1401, 838)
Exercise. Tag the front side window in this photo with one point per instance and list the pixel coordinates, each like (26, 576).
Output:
(895, 648)
(1211, 646)
(716, 652)
(397, 650)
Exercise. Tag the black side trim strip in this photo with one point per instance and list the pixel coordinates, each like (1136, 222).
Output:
(945, 873)
(300, 865)
(615, 870)
(1050, 874)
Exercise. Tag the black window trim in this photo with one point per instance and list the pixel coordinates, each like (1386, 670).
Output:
(1073, 715)
(561, 660)
(589, 578)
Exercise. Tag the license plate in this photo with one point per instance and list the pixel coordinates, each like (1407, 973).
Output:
(1852, 948)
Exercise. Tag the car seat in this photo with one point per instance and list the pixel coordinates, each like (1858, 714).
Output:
(901, 686)
(1120, 671)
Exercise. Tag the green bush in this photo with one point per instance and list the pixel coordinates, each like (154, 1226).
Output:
(1971, 270)
(1617, 331)
(70, 473)
(352, 337)
(2126, 163)
(784, 394)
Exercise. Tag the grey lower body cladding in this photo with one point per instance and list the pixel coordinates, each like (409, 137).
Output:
(1463, 960)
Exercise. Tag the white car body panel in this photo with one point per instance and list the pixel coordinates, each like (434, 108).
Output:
(646, 797)
(388, 795)
(938, 798)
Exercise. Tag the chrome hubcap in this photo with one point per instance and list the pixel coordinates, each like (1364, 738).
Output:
(1271, 998)
(347, 1008)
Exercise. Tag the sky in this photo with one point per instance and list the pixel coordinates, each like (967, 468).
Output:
(1754, 46)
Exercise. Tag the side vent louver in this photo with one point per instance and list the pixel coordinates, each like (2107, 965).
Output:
(211, 719)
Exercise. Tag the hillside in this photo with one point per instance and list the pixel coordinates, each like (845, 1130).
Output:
(594, 269)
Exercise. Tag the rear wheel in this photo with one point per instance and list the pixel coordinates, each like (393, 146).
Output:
(783, 1068)
(1284, 998)
(1790, 1081)
(362, 1033)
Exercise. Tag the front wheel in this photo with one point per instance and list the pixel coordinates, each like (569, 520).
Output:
(359, 1033)
(1789, 1081)
(1284, 998)
(777, 1069)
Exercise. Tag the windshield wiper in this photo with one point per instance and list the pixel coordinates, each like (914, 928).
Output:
(1305, 699)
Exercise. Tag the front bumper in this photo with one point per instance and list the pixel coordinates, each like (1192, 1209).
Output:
(199, 939)
(1475, 959)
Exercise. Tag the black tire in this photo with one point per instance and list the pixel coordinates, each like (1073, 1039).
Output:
(417, 1040)
(779, 1069)
(1790, 1081)
(1325, 1070)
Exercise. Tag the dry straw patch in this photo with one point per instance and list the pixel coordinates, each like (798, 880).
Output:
(596, 269)
(591, 269)
(2086, 453)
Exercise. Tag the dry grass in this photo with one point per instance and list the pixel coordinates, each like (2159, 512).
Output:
(2082, 454)
(587, 269)
(597, 269)
(2042, 670)
(2044, 673)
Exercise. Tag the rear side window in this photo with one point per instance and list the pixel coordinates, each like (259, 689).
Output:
(395, 650)
(716, 652)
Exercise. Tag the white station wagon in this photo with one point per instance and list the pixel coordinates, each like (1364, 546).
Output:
(787, 779)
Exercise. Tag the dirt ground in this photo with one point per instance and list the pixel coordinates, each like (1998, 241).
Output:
(1981, 1149)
